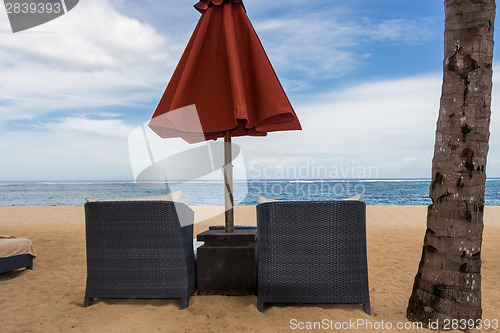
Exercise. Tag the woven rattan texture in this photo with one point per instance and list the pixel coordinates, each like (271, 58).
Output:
(139, 250)
(312, 252)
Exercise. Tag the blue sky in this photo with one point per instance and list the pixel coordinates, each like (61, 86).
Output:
(364, 77)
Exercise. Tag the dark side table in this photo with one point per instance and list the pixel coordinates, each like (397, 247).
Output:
(227, 262)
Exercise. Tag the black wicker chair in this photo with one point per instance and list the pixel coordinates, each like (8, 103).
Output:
(139, 249)
(312, 252)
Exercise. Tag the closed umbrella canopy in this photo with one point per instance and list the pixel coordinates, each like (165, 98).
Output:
(226, 75)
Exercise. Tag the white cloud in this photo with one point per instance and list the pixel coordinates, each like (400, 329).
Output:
(387, 124)
(92, 57)
(104, 127)
(93, 36)
(63, 155)
(63, 83)
(493, 167)
(96, 57)
(327, 44)
(31, 91)
(397, 30)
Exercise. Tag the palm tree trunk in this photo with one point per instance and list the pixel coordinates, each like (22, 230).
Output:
(448, 283)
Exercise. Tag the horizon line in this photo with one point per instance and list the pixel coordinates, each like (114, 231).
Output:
(220, 180)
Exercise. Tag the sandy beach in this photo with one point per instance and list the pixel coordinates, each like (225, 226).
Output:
(50, 298)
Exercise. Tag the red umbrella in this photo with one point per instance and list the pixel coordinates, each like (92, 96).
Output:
(225, 72)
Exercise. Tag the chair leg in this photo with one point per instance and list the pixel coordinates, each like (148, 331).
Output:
(88, 301)
(260, 306)
(185, 302)
(367, 309)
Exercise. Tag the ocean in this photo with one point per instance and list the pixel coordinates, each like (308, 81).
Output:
(210, 193)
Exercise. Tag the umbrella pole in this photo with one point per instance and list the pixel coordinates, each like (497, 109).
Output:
(228, 182)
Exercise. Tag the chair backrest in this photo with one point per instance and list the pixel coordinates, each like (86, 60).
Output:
(139, 249)
(134, 221)
(132, 227)
(330, 223)
(312, 252)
